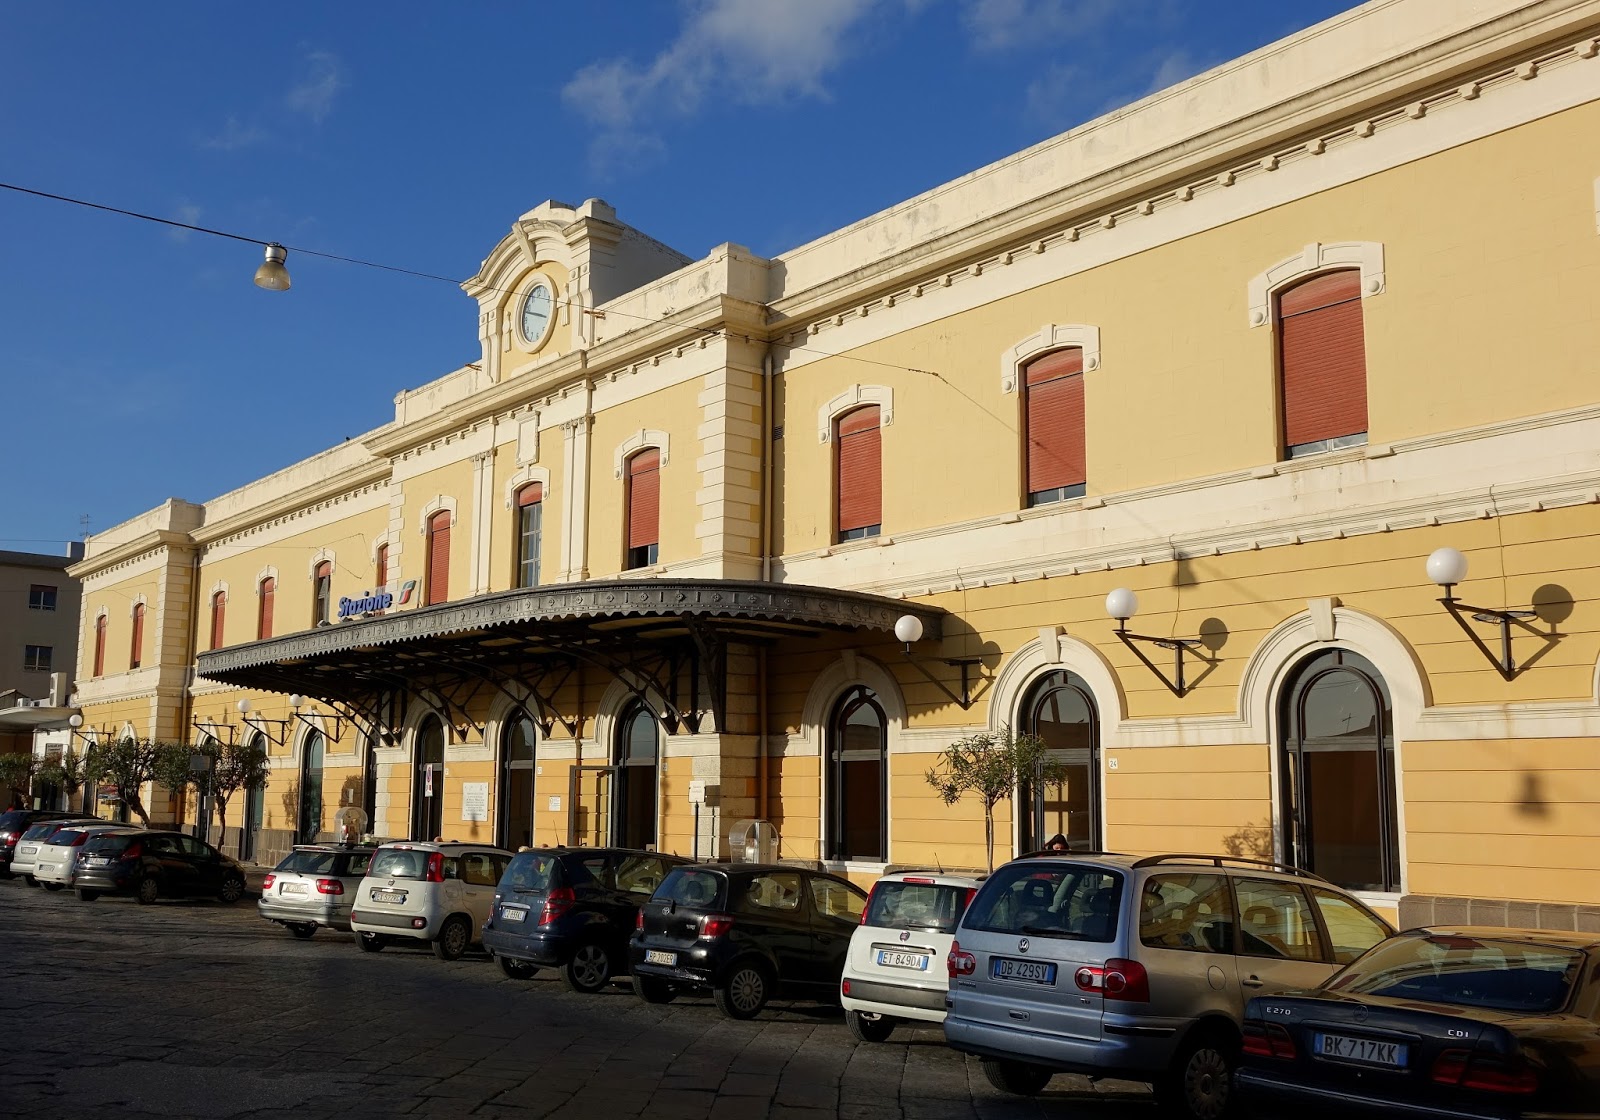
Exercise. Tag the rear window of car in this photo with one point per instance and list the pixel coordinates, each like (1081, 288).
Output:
(38, 830)
(14, 820)
(909, 905)
(692, 887)
(308, 863)
(1490, 973)
(399, 863)
(1049, 900)
(109, 842)
(529, 871)
(66, 836)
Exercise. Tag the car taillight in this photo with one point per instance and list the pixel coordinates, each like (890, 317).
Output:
(713, 926)
(1487, 1073)
(638, 921)
(134, 851)
(920, 882)
(966, 899)
(330, 886)
(1120, 979)
(557, 903)
(435, 867)
(844, 987)
(267, 881)
(1268, 1040)
(960, 962)
(867, 909)
(82, 839)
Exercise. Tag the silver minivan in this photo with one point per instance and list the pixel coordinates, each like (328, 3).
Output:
(1139, 968)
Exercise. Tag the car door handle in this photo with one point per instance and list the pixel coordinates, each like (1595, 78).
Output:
(1252, 982)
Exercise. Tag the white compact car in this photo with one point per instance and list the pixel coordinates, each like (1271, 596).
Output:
(896, 967)
(55, 864)
(37, 836)
(423, 890)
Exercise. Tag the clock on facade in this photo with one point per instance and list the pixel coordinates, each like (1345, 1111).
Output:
(536, 308)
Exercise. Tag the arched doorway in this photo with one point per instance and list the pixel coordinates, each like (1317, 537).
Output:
(858, 786)
(1338, 773)
(312, 754)
(518, 738)
(427, 781)
(255, 806)
(1060, 709)
(638, 754)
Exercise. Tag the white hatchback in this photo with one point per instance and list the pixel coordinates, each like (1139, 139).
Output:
(37, 836)
(56, 863)
(427, 890)
(896, 968)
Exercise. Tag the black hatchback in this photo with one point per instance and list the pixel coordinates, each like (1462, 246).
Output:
(151, 864)
(572, 909)
(747, 933)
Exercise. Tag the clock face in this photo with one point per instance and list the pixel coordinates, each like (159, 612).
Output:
(536, 308)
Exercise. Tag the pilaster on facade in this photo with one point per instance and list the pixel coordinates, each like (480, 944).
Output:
(576, 457)
(729, 465)
(483, 517)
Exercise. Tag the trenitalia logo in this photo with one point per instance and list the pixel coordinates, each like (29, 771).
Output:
(406, 589)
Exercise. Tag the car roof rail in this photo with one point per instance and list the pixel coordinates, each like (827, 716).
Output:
(1047, 852)
(1222, 861)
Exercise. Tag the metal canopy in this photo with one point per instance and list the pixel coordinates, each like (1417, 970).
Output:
(666, 640)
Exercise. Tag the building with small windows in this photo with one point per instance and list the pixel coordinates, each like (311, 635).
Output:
(38, 647)
(1243, 443)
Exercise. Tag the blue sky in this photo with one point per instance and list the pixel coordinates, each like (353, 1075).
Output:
(138, 362)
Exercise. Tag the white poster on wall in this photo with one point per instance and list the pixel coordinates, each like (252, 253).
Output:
(474, 801)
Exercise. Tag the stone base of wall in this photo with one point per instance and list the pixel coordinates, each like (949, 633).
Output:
(272, 844)
(1440, 910)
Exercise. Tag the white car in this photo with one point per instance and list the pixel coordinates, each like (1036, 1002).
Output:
(895, 968)
(56, 863)
(438, 891)
(29, 843)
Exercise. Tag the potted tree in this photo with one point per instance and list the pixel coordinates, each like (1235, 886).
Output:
(992, 765)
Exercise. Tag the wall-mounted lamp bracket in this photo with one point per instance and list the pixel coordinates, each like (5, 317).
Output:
(1179, 646)
(336, 720)
(965, 699)
(214, 729)
(260, 724)
(1504, 664)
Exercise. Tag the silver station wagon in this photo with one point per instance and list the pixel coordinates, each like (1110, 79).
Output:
(1139, 968)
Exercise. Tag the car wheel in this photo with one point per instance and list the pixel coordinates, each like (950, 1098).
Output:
(30, 880)
(51, 886)
(232, 891)
(1016, 1077)
(371, 942)
(589, 970)
(744, 992)
(302, 930)
(149, 890)
(517, 970)
(876, 1029)
(87, 896)
(1199, 1084)
(454, 937)
(651, 990)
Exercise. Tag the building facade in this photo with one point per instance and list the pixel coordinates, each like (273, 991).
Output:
(39, 609)
(1252, 349)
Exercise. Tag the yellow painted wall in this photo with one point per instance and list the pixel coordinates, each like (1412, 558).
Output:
(118, 597)
(676, 411)
(1189, 799)
(453, 480)
(503, 540)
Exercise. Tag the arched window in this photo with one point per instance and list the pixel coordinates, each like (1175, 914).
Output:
(858, 468)
(255, 806)
(380, 573)
(858, 788)
(638, 756)
(427, 781)
(518, 740)
(266, 593)
(1052, 397)
(530, 527)
(100, 645)
(136, 646)
(1322, 362)
(1338, 773)
(312, 754)
(219, 618)
(321, 593)
(644, 508)
(1060, 709)
(439, 558)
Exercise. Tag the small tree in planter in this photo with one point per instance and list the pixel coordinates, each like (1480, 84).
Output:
(68, 771)
(238, 766)
(128, 764)
(18, 771)
(992, 765)
(181, 767)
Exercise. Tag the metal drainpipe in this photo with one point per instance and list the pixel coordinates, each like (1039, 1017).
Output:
(762, 775)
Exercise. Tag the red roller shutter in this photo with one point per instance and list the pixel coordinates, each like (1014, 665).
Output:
(1054, 387)
(644, 499)
(1323, 355)
(100, 646)
(269, 587)
(382, 574)
(136, 647)
(439, 558)
(860, 469)
(219, 611)
(531, 494)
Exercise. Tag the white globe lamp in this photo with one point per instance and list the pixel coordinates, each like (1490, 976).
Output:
(1122, 604)
(908, 629)
(1447, 567)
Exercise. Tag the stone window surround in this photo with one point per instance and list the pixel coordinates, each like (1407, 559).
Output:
(850, 399)
(1049, 337)
(639, 441)
(1315, 257)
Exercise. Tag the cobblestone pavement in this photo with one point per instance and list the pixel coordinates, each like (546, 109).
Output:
(196, 1009)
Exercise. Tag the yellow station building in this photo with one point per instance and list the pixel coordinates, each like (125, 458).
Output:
(1252, 349)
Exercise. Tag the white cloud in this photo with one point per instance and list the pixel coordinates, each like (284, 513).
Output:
(1050, 94)
(997, 25)
(185, 211)
(1175, 67)
(321, 79)
(234, 135)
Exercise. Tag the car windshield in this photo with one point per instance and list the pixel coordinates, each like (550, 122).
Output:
(529, 871)
(693, 887)
(109, 842)
(1491, 973)
(1049, 900)
(308, 863)
(399, 863)
(911, 905)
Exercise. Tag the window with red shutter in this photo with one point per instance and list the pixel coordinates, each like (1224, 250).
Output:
(219, 611)
(268, 592)
(100, 646)
(1053, 403)
(439, 558)
(321, 593)
(381, 575)
(859, 464)
(644, 508)
(1322, 357)
(136, 647)
(530, 530)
